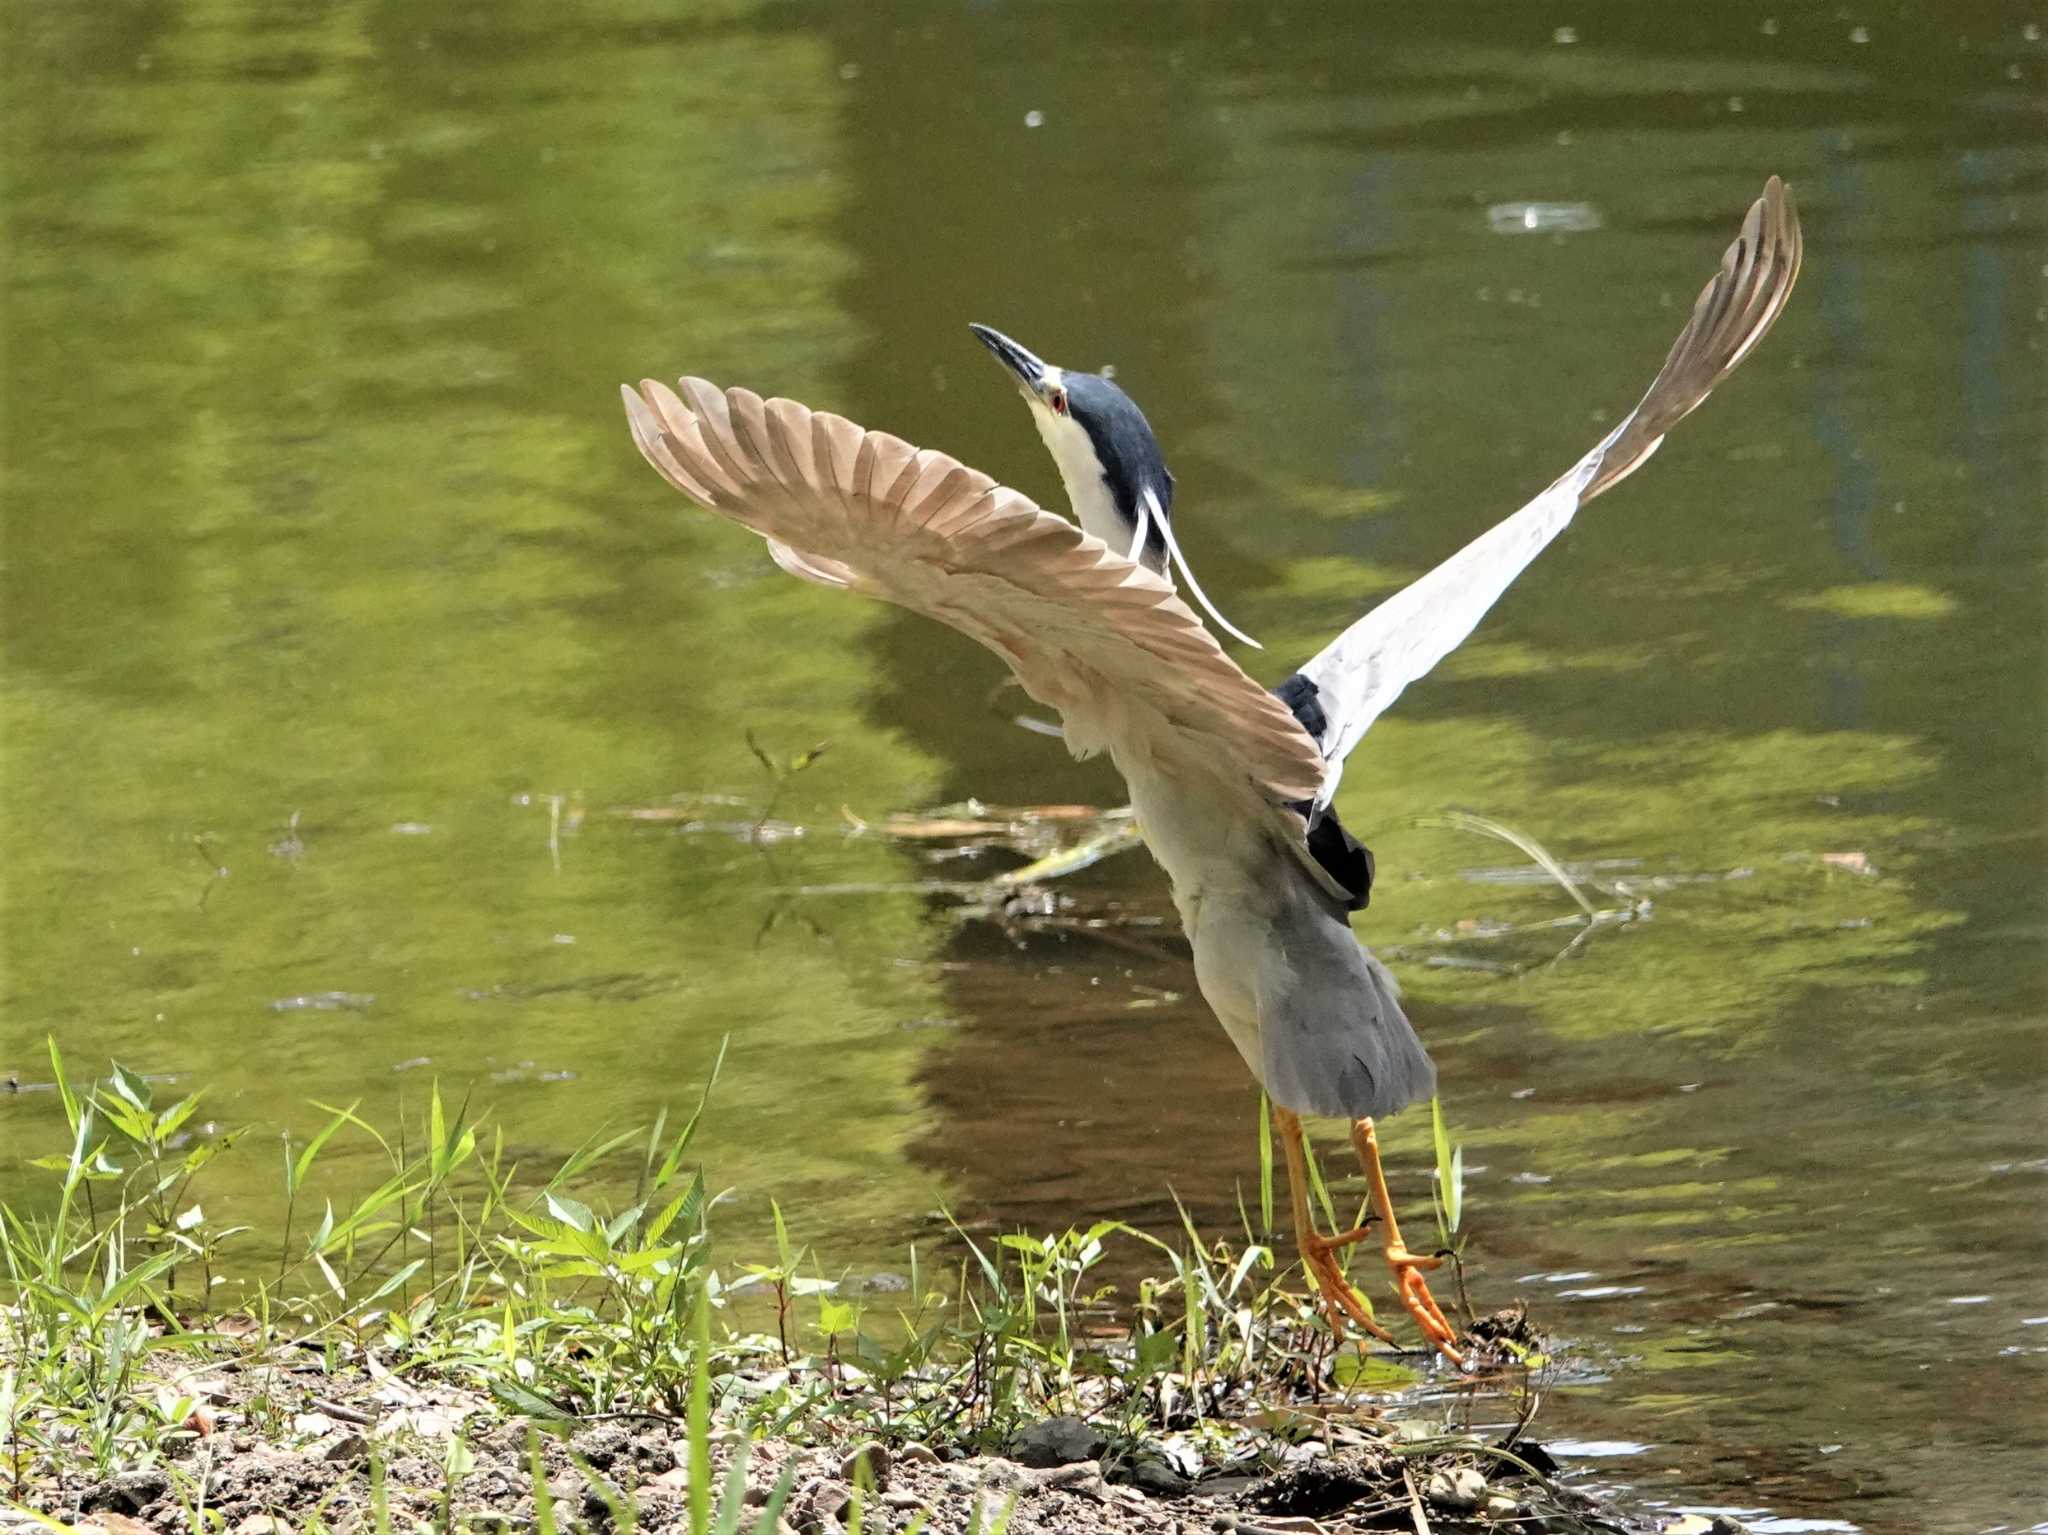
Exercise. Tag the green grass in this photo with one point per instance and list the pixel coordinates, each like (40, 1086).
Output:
(558, 1304)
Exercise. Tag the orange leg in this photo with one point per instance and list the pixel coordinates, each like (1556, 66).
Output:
(1318, 1252)
(1408, 1267)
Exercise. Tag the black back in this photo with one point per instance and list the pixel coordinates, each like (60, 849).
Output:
(1342, 856)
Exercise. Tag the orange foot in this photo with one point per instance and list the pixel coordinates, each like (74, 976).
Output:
(1408, 1269)
(1339, 1301)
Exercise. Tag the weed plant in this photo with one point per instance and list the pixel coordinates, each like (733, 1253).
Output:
(560, 1307)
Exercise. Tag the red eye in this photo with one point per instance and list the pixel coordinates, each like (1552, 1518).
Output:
(1058, 399)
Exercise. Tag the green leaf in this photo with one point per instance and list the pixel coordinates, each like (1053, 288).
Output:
(572, 1213)
(168, 1122)
(131, 1087)
(1450, 1167)
(543, 1500)
(437, 1133)
(1265, 1163)
(620, 1224)
(836, 1315)
(527, 1404)
(700, 1413)
(1454, 1193)
(783, 1254)
(674, 1159)
(304, 1164)
(70, 1099)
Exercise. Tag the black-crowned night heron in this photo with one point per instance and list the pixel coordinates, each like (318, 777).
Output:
(1231, 783)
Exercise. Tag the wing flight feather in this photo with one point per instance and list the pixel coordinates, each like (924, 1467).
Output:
(1104, 641)
(1366, 667)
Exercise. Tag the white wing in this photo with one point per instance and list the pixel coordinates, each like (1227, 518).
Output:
(1104, 641)
(1367, 666)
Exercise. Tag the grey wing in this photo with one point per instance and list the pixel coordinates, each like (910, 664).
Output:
(1366, 667)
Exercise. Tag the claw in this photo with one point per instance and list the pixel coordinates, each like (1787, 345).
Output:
(1340, 1303)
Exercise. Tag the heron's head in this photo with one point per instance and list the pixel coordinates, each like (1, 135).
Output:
(1108, 459)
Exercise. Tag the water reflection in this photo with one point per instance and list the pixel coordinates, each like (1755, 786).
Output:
(330, 566)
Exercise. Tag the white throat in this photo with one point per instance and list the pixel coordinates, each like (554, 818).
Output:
(1081, 474)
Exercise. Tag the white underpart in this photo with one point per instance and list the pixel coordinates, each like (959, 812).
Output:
(1080, 473)
(1366, 667)
(1088, 493)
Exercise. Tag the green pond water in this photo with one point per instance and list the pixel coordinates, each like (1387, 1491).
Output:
(329, 564)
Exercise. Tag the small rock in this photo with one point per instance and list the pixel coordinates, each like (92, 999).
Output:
(1724, 1525)
(1058, 1441)
(993, 1475)
(916, 1454)
(1083, 1478)
(828, 1500)
(342, 1447)
(127, 1491)
(1159, 1479)
(1460, 1491)
(873, 1458)
(312, 1424)
(263, 1524)
(902, 1502)
(117, 1524)
(1500, 1506)
(602, 1443)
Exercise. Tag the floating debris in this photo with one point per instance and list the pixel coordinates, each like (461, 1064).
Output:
(1543, 218)
(325, 1002)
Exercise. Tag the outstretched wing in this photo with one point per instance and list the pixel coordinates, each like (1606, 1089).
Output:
(1366, 667)
(1102, 640)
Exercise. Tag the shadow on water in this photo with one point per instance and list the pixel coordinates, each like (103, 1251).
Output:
(329, 566)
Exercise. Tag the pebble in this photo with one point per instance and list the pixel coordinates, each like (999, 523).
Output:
(129, 1491)
(1057, 1441)
(1159, 1479)
(1083, 1478)
(1461, 1490)
(828, 1500)
(343, 1447)
(871, 1458)
(916, 1454)
(114, 1524)
(263, 1524)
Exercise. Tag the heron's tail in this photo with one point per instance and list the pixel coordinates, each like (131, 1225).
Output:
(1342, 1046)
(1733, 312)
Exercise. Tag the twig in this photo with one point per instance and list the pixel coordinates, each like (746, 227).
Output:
(1415, 1513)
(341, 1412)
(1247, 1527)
(1465, 820)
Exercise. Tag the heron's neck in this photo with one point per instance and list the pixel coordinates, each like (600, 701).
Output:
(1081, 474)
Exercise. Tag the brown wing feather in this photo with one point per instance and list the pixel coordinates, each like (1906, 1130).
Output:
(1731, 315)
(1106, 642)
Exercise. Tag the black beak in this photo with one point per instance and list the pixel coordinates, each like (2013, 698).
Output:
(1029, 370)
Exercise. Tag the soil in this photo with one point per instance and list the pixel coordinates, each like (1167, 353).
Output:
(271, 1450)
